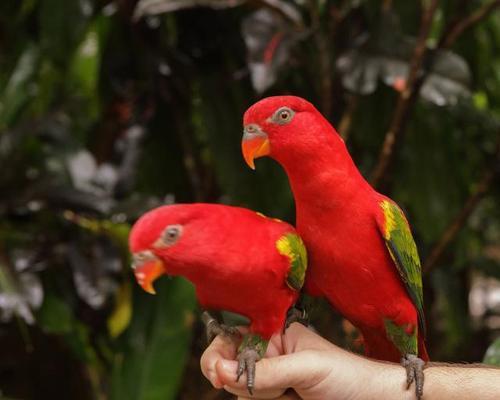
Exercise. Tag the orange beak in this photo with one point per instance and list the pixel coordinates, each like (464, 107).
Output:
(147, 273)
(254, 144)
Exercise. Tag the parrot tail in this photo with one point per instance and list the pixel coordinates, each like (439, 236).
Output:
(422, 350)
(378, 346)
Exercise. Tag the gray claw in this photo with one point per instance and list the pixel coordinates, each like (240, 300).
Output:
(246, 362)
(296, 314)
(214, 328)
(414, 373)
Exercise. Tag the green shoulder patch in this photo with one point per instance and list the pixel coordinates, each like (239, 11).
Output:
(405, 343)
(403, 251)
(291, 246)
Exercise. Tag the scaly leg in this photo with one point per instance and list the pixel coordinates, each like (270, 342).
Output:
(251, 350)
(296, 314)
(414, 373)
(214, 328)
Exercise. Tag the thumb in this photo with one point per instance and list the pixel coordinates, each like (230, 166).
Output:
(272, 375)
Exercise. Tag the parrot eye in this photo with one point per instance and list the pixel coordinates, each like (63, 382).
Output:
(169, 236)
(283, 116)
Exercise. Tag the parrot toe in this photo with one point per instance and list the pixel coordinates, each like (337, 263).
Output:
(414, 373)
(296, 314)
(246, 363)
(252, 349)
(214, 328)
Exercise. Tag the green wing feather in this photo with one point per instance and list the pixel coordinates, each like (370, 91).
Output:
(291, 246)
(403, 250)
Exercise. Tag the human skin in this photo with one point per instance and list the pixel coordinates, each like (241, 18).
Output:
(316, 369)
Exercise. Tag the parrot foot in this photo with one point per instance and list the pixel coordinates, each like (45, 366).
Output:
(251, 350)
(214, 328)
(296, 314)
(414, 373)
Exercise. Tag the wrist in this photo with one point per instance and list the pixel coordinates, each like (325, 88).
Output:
(385, 381)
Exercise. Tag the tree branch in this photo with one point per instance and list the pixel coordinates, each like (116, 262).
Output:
(416, 79)
(406, 98)
(346, 120)
(460, 219)
(458, 28)
(325, 63)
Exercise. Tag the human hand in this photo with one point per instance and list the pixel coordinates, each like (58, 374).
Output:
(304, 361)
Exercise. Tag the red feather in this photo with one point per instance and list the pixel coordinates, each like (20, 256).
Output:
(337, 212)
(230, 256)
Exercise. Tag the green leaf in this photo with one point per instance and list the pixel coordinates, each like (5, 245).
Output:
(156, 344)
(122, 313)
(492, 355)
(62, 25)
(84, 68)
(55, 315)
(19, 88)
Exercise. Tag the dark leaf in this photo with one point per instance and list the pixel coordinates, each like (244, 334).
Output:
(62, 26)
(155, 7)
(268, 38)
(19, 294)
(385, 55)
(55, 316)
(20, 87)
(157, 344)
(92, 273)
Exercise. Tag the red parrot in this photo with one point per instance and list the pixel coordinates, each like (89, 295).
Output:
(362, 256)
(237, 259)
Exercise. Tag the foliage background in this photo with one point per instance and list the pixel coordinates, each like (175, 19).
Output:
(108, 108)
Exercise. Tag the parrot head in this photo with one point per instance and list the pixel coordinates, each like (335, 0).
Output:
(165, 241)
(281, 125)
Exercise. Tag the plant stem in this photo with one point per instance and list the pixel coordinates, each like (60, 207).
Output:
(461, 218)
(458, 28)
(406, 98)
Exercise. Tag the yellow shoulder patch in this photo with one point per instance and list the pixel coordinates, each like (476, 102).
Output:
(390, 220)
(292, 247)
(283, 246)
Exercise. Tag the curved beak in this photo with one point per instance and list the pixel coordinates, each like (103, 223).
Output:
(148, 272)
(255, 144)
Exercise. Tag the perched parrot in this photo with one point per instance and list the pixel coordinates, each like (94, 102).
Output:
(362, 256)
(237, 259)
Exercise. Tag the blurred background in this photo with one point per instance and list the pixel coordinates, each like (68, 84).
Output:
(109, 108)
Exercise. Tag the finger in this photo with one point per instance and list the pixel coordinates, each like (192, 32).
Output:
(288, 395)
(272, 376)
(298, 337)
(221, 348)
(226, 373)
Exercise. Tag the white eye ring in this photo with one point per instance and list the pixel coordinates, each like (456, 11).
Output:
(283, 116)
(169, 236)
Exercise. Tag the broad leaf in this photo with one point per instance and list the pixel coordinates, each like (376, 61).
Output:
(269, 38)
(385, 56)
(19, 88)
(156, 345)
(155, 7)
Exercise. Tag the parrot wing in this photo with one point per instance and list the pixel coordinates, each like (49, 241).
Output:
(291, 246)
(399, 241)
